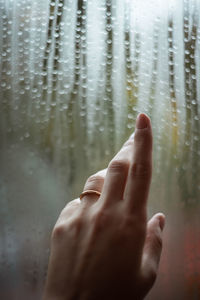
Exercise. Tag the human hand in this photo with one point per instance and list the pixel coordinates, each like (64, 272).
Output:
(103, 247)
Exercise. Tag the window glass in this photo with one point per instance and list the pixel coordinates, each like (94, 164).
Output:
(73, 77)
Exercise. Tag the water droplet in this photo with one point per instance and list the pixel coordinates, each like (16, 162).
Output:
(27, 135)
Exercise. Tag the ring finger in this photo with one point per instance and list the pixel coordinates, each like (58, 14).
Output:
(94, 183)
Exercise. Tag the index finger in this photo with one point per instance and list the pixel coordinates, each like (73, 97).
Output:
(139, 177)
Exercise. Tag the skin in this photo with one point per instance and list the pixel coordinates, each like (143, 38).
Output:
(103, 247)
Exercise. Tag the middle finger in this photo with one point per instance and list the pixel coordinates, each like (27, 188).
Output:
(115, 181)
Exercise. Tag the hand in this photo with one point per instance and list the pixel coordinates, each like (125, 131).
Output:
(102, 247)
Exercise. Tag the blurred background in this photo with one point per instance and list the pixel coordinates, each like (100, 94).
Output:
(73, 77)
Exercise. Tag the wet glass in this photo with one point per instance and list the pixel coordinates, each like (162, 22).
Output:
(73, 77)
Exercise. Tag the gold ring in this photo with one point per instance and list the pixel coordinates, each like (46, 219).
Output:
(88, 192)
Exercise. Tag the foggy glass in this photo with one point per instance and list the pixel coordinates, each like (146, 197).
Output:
(73, 77)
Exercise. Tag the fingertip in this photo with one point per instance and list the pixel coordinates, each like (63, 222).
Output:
(153, 246)
(142, 121)
(143, 134)
(161, 220)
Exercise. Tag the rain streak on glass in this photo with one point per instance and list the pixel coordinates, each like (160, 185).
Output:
(73, 77)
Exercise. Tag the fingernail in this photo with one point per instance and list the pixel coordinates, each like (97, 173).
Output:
(162, 222)
(142, 121)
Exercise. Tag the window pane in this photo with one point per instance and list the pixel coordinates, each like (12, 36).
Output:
(73, 77)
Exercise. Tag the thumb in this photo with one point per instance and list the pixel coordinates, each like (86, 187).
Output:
(152, 249)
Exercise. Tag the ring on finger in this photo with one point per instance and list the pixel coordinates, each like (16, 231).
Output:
(89, 192)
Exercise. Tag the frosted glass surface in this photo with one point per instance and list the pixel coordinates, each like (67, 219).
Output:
(73, 77)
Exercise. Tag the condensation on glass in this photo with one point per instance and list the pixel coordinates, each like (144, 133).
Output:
(73, 77)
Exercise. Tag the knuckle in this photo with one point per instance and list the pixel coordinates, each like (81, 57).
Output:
(73, 203)
(95, 179)
(58, 231)
(100, 219)
(119, 165)
(141, 169)
(65, 228)
(70, 208)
